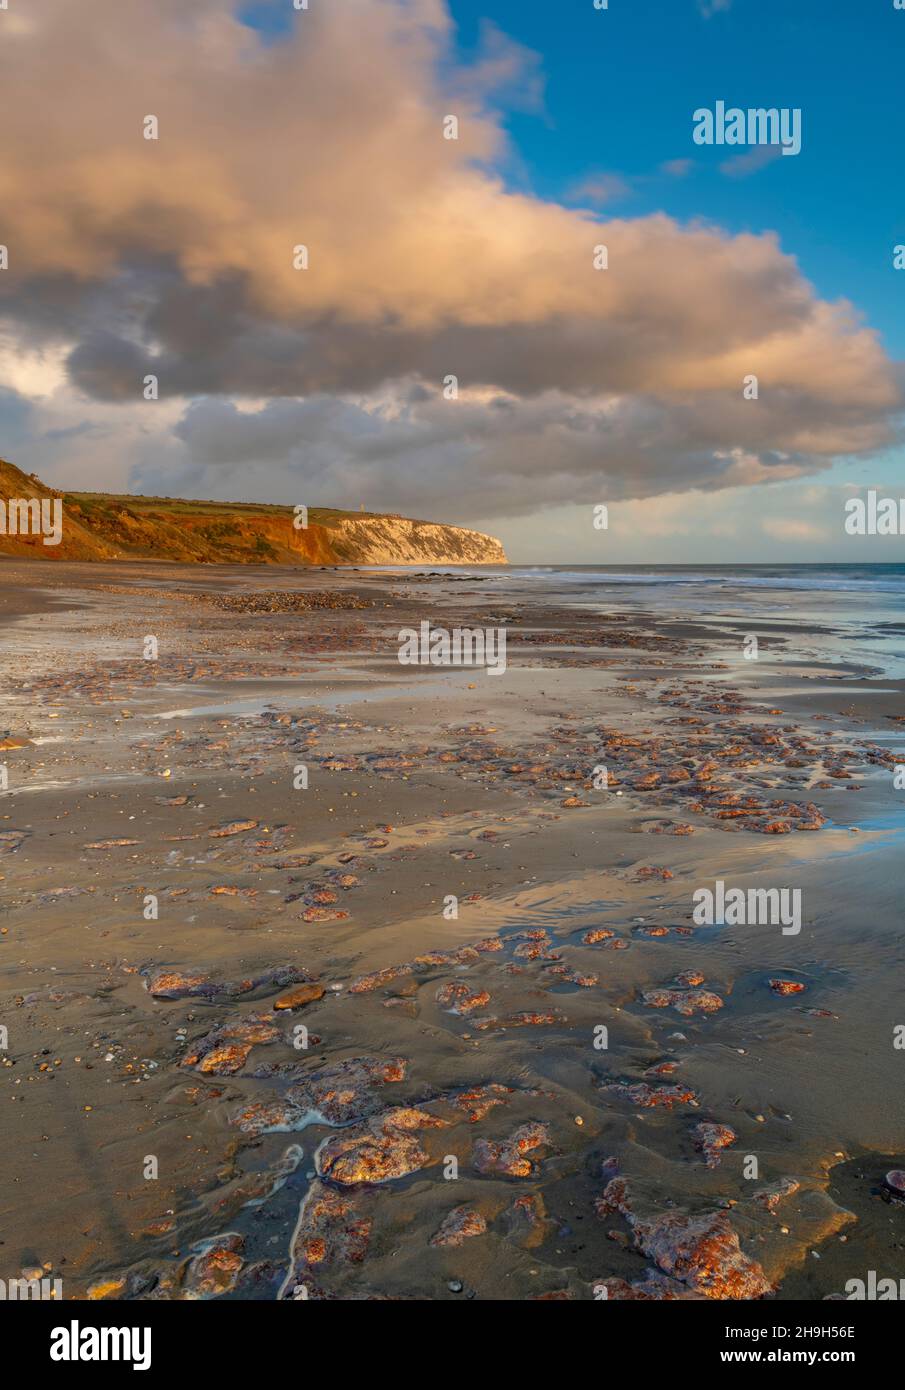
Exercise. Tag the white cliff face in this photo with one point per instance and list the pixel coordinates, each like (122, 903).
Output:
(396, 540)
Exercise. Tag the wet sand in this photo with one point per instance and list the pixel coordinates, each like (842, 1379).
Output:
(454, 1126)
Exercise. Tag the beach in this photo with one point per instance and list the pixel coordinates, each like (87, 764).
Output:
(326, 976)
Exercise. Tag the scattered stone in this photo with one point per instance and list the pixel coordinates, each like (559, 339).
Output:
(458, 1226)
(508, 1158)
(215, 1268)
(105, 1288)
(457, 998)
(163, 983)
(895, 1181)
(652, 1097)
(479, 1101)
(329, 1232)
(703, 1253)
(528, 1019)
(380, 1151)
(225, 1051)
(711, 1139)
(770, 1197)
(231, 827)
(337, 1093)
(298, 996)
(686, 1002)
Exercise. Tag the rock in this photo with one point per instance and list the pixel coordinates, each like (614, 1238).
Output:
(366, 983)
(270, 1117)
(106, 1288)
(177, 984)
(508, 1158)
(703, 1253)
(574, 977)
(225, 1050)
(330, 1231)
(535, 950)
(337, 1093)
(381, 1151)
(686, 1002)
(457, 998)
(164, 983)
(770, 1197)
(786, 987)
(895, 1181)
(478, 1101)
(215, 1268)
(298, 996)
(652, 1097)
(529, 1019)
(459, 1225)
(232, 827)
(711, 1139)
(344, 1092)
(615, 1200)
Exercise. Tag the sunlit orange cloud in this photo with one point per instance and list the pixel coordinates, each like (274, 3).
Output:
(176, 255)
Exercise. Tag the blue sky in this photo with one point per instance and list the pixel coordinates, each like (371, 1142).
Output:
(839, 206)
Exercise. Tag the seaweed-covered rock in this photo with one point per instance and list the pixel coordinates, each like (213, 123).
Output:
(703, 1253)
(459, 1225)
(225, 1050)
(711, 1139)
(380, 1151)
(508, 1159)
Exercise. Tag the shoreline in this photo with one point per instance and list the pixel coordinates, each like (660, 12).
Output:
(431, 754)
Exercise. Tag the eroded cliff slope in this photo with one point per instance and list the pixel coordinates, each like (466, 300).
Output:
(101, 526)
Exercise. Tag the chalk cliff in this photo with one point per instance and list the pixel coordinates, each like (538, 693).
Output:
(102, 526)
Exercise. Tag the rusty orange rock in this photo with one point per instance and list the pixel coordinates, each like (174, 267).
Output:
(233, 827)
(380, 1151)
(215, 1268)
(786, 987)
(711, 1139)
(702, 1252)
(686, 1002)
(330, 1231)
(651, 1097)
(461, 1223)
(300, 995)
(225, 1050)
(457, 998)
(508, 1158)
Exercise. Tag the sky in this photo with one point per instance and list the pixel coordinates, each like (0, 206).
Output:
(449, 345)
